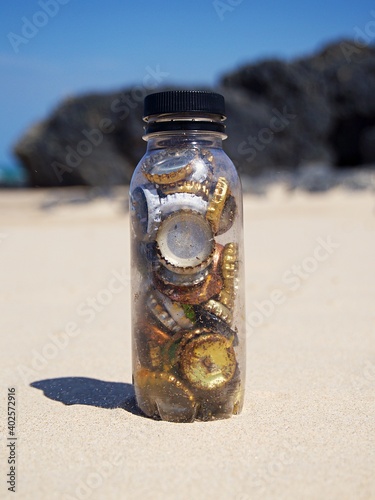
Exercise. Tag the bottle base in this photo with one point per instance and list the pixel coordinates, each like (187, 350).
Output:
(162, 396)
(185, 415)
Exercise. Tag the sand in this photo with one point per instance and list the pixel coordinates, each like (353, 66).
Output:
(307, 430)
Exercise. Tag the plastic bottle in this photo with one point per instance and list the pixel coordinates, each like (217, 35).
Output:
(188, 321)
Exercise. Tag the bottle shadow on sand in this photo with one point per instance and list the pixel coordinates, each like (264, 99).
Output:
(91, 392)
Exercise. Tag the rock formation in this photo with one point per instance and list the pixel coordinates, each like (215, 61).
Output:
(281, 116)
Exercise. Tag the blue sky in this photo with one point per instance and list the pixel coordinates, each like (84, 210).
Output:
(81, 46)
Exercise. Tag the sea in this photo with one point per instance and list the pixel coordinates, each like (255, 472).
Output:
(13, 175)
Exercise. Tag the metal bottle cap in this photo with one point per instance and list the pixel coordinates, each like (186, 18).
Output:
(162, 394)
(230, 261)
(193, 295)
(169, 277)
(146, 203)
(228, 215)
(155, 304)
(185, 242)
(183, 316)
(202, 287)
(217, 202)
(208, 361)
(179, 201)
(191, 187)
(222, 208)
(219, 310)
(230, 275)
(149, 341)
(168, 169)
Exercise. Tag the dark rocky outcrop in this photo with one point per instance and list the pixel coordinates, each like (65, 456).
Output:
(331, 102)
(88, 140)
(281, 115)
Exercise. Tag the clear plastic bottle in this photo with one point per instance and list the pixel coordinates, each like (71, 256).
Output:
(188, 320)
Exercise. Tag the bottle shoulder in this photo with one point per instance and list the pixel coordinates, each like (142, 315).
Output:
(166, 166)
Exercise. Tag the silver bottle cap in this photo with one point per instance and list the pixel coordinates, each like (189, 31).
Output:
(185, 242)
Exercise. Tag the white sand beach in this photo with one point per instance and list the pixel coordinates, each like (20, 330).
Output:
(307, 430)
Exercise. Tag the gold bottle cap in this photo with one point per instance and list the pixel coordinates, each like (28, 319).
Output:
(162, 394)
(228, 215)
(217, 202)
(227, 296)
(149, 339)
(186, 336)
(208, 361)
(169, 170)
(230, 275)
(230, 261)
(231, 252)
(181, 339)
(185, 242)
(193, 295)
(222, 402)
(176, 344)
(219, 310)
(188, 187)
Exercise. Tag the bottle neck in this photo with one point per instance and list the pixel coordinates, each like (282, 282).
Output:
(188, 124)
(173, 139)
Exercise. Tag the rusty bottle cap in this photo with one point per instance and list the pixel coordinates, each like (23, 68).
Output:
(163, 395)
(149, 341)
(208, 361)
(193, 295)
(171, 278)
